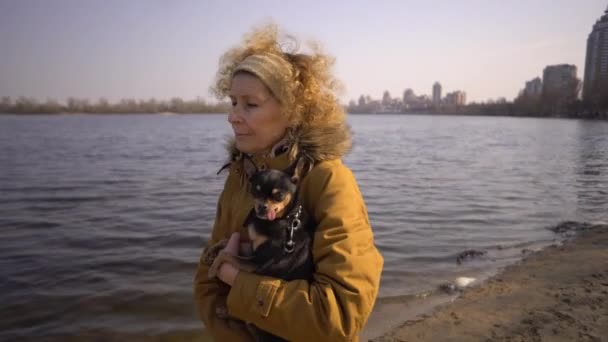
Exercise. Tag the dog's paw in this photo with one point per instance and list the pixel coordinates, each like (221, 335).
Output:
(210, 253)
(221, 312)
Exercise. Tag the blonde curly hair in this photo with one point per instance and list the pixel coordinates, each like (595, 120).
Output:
(310, 99)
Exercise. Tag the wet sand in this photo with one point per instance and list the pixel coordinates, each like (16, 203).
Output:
(557, 294)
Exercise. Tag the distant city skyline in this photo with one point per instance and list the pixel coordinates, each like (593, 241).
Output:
(163, 49)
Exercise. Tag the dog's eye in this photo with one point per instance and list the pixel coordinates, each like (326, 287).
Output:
(278, 196)
(256, 189)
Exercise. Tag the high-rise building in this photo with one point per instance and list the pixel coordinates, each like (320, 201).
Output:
(461, 98)
(596, 63)
(560, 83)
(408, 96)
(534, 88)
(386, 98)
(456, 98)
(361, 100)
(437, 93)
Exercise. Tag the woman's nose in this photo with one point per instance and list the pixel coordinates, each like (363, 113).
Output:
(234, 115)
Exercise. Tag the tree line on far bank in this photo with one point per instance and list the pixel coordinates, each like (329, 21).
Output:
(543, 105)
(565, 103)
(26, 105)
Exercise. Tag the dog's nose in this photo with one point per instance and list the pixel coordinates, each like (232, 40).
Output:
(262, 208)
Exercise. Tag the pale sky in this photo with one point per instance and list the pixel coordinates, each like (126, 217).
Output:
(166, 48)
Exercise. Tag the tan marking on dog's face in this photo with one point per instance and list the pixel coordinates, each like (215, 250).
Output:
(277, 206)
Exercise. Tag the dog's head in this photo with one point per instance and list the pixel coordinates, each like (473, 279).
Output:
(272, 190)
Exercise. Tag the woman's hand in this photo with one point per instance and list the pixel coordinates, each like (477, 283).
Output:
(228, 272)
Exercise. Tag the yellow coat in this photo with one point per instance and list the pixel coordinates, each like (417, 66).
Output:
(336, 304)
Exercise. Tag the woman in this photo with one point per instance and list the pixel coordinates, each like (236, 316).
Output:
(283, 106)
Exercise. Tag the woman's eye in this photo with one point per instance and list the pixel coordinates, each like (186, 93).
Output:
(252, 105)
(233, 103)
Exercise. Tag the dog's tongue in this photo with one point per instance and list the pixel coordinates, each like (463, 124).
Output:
(271, 215)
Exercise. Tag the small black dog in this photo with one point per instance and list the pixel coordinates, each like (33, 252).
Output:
(280, 230)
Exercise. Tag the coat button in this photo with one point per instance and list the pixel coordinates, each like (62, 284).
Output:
(260, 302)
(263, 167)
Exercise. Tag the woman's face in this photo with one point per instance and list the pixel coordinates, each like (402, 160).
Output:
(256, 117)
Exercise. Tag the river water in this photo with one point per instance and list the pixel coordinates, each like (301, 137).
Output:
(103, 217)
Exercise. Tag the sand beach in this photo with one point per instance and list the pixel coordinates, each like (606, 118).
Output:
(557, 294)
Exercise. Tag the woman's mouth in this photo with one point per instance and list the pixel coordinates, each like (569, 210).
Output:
(240, 135)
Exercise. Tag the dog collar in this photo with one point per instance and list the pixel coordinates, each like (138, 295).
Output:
(293, 224)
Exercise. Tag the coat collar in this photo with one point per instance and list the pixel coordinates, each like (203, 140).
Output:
(326, 141)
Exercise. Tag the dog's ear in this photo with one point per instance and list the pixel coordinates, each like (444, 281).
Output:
(298, 169)
(250, 167)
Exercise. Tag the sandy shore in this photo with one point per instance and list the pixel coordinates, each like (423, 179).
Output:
(557, 294)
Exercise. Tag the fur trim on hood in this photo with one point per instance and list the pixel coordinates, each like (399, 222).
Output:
(315, 144)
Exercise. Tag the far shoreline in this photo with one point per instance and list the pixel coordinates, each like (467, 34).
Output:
(575, 117)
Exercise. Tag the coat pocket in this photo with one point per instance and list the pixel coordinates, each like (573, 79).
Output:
(264, 296)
